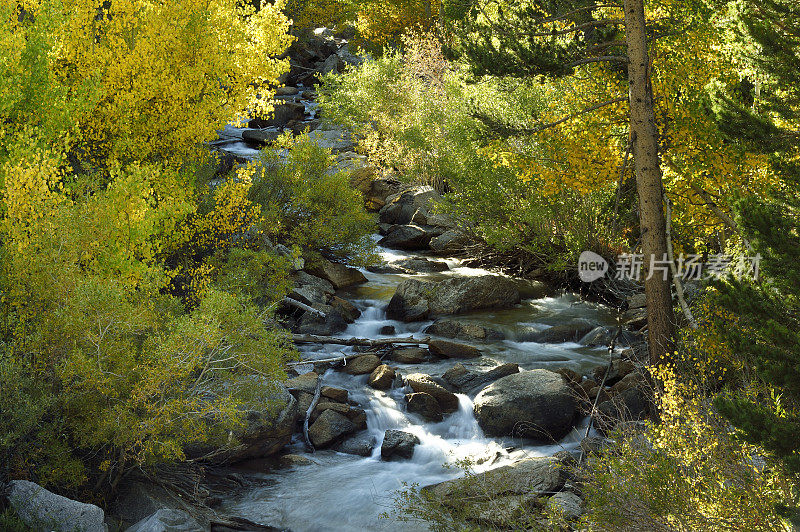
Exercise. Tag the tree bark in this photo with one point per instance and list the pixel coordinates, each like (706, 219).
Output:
(647, 164)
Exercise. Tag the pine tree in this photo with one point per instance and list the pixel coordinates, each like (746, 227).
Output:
(553, 38)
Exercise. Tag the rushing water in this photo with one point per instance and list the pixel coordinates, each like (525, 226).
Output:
(341, 492)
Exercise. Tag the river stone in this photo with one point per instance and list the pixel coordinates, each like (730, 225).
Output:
(260, 136)
(168, 520)
(346, 309)
(400, 207)
(309, 294)
(359, 418)
(43, 510)
(307, 382)
(419, 382)
(445, 349)
(302, 278)
(410, 355)
(329, 427)
(535, 404)
(425, 405)
(361, 365)
(416, 300)
(630, 405)
(452, 240)
(423, 265)
(381, 377)
(537, 475)
(322, 406)
(358, 446)
(398, 444)
(336, 394)
(282, 115)
(339, 275)
(462, 330)
(469, 381)
(619, 369)
(409, 237)
(571, 331)
(387, 330)
(566, 503)
(312, 323)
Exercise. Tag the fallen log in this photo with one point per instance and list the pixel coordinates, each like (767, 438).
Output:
(314, 401)
(367, 342)
(297, 304)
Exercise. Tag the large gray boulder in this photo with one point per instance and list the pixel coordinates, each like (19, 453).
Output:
(398, 444)
(265, 432)
(535, 404)
(168, 520)
(43, 510)
(462, 330)
(361, 365)
(447, 349)
(421, 383)
(451, 240)
(401, 207)
(425, 405)
(417, 300)
(538, 475)
(409, 237)
(329, 428)
(469, 381)
(339, 275)
(331, 322)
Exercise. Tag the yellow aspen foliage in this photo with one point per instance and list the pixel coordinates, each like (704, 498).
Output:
(384, 22)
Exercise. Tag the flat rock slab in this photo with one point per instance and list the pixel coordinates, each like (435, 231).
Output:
(445, 349)
(43, 510)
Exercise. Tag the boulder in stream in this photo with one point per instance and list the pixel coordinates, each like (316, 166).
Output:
(398, 444)
(410, 355)
(401, 207)
(423, 265)
(43, 510)
(462, 330)
(359, 446)
(421, 383)
(445, 349)
(571, 331)
(339, 275)
(168, 520)
(409, 237)
(469, 381)
(425, 405)
(361, 365)
(307, 382)
(312, 323)
(417, 300)
(449, 241)
(534, 404)
(329, 427)
(381, 377)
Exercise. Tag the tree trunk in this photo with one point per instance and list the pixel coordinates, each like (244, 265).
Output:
(660, 319)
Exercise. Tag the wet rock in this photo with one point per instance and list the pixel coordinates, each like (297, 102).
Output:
(260, 137)
(462, 330)
(312, 323)
(398, 444)
(416, 300)
(346, 309)
(569, 505)
(386, 269)
(381, 377)
(339, 275)
(358, 417)
(450, 241)
(537, 475)
(423, 265)
(400, 207)
(535, 404)
(361, 365)
(409, 237)
(168, 520)
(335, 394)
(419, 382)
(603, 336)
(322, 406)
(307, 382)
(445, 349)
(329, 427)
(572, 331)
(571, 377)
(43, 510)
(425, 405)
(387, 330)
(410, 355)
(468, 381)
(358, 446)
